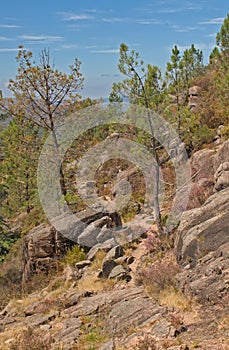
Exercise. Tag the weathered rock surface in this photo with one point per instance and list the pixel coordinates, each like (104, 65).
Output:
(222, 176)
(44, 245)
(210, 172)
(202, 245)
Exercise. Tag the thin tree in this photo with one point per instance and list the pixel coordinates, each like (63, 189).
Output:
(44, 93)
(142, 86)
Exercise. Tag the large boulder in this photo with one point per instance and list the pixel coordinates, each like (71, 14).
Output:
(222, 176)
(44, 245)
(209, 173)
(202, 244)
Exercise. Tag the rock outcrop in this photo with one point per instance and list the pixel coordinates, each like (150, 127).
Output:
(210, 172)
(202, 245)
(43, 247)
(194, 98)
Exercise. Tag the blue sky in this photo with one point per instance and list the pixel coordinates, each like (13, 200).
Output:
(93, 30)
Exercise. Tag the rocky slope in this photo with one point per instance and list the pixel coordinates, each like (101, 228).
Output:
(99, 304)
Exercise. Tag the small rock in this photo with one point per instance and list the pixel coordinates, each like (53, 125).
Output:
(108, 346)
(107, 267)
(119, 273)
(81, 264)
(114, 253)
(121, 260)
(130, 260)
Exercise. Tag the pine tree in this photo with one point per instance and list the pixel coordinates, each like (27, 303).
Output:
(21, 143)
(44, 94)
(142, 87)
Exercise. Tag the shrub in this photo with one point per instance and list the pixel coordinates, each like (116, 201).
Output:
(74, 255)
(158, 276)
(30, 339)
(147, 342)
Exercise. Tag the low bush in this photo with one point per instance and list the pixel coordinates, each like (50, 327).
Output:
(158, 276)
(31, 339)
(74, 255)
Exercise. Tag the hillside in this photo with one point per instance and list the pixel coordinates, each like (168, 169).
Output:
(145, 294)
(114, 214)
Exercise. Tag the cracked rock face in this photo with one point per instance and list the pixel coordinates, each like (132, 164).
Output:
(202, 245)
(210, 171)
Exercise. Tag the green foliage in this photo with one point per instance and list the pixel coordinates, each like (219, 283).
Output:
(222, 38)
(74, 255)
(142, 84)
(180, 72)
(7, 240)
(21, 143)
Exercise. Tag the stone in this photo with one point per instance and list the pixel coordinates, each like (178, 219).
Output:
(222, 176)
(119, 273)
(207, 167)
(193, 94)
(104, 235)
(88, 237)
(203, 229)
(81, 264)
(114, 253)
(40, 319)
(202, 245)
(108, 346)
(71, 274)
(43, 247)
(107, 267)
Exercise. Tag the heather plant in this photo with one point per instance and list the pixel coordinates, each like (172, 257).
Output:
(30, 339)
(158, 276)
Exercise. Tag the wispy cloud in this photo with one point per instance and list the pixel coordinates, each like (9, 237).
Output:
(116, 19)
(107, 75)
(183, 29)
(69, 46)
(8, 49)
(4, 38)
(105, 51)
(149, 21)
(41, 38)
(170, 10)
(212, 35)
(9, 26)
(200, 46)
(90, 10)
(218, 20)
(186, 6)
(69, 16)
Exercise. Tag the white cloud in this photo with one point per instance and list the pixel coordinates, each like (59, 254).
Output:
(4, 38)
(183, 29)
(116, 19)
(213, 35)
(200, 46)
(9, 26)
(218, 20)
(69, 16)
(69, 46)
(170, 10)
(90, 10)
(39, 39)
(105, 51)
(8, 50)
(149, 21)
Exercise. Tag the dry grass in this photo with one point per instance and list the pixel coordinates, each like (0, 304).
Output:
(173, 297)
(94, 284)
(97, 262)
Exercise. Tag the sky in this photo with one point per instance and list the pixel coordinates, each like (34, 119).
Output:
(92, 31)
